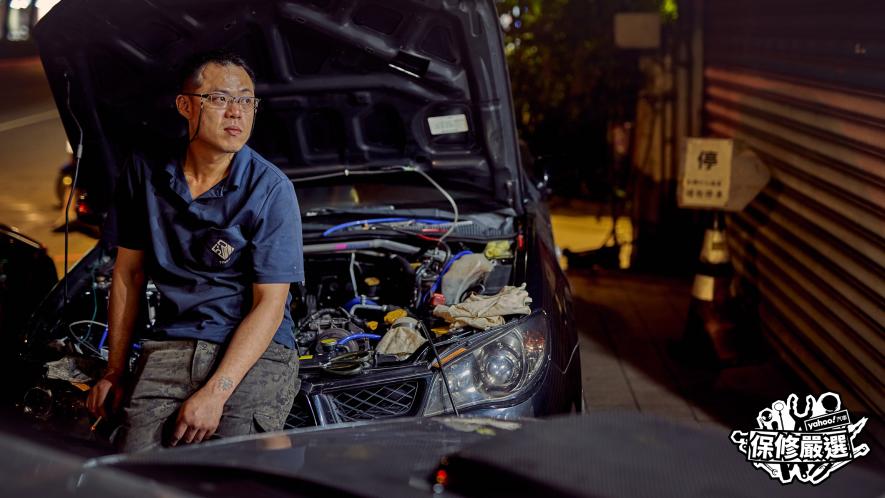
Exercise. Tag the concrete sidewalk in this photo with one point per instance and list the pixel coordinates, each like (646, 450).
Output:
(629, 327)
(629, 324)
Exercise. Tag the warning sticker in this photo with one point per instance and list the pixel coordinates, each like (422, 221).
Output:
(444, 125)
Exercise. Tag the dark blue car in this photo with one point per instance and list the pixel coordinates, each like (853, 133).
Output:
(395, 122)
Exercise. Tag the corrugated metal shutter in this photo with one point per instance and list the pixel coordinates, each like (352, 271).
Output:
(803, 83)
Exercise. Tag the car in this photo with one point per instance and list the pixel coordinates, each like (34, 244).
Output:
(617, 454)
(395, 122)
(27, 273)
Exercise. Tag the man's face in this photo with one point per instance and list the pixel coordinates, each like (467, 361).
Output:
(222, 130)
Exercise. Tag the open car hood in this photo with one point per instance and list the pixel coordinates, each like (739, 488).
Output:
(344, 83)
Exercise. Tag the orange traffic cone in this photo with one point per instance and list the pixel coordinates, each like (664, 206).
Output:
(712, 325)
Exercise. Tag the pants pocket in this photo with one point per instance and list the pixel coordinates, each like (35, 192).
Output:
(264, 398)
(264, 423)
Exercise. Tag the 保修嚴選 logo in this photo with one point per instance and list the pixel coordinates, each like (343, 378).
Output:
(807, 445)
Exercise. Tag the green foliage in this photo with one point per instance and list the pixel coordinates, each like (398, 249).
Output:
(563, 63)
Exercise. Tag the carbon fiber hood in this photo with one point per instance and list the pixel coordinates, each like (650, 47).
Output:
(391, 458)
(344, 83)
(601, 454)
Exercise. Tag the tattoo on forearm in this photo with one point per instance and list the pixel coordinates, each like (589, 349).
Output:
(225, 384)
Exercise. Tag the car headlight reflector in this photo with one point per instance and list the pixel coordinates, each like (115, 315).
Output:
(497, 369)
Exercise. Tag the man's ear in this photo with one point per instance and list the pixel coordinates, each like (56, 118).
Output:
(183, 104)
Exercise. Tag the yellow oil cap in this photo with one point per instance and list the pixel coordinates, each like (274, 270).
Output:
(394, 315)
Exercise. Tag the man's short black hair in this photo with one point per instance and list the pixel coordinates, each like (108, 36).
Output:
(193, 69)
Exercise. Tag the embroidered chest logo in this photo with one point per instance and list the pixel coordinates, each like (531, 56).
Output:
(223, 250)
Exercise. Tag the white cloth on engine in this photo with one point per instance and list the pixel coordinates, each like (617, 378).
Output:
(73, 369)
(401, 341)
(484, 312)
(464, 273)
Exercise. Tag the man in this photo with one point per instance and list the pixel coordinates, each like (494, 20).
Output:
(219, 233)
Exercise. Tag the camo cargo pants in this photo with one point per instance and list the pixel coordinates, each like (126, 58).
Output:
(169, 372)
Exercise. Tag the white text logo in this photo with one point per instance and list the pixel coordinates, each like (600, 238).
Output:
(808, 445)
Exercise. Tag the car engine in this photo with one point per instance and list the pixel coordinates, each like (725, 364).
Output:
(355, 293)
(351, 299)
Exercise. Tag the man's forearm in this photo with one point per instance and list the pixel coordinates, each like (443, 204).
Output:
(126, 292)
(250, 340)
(200, 414)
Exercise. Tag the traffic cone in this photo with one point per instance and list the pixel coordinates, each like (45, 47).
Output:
(712, 330)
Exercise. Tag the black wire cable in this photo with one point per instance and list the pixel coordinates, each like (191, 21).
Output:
(200, 122)
(78, 154)
(442, 371)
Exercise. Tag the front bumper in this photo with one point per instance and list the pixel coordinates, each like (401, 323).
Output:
(394, 395)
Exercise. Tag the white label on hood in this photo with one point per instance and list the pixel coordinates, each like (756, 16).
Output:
(443, 125)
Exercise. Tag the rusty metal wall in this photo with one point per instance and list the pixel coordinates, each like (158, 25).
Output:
(803, 83)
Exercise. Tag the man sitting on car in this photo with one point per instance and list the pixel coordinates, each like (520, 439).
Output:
(218, 231)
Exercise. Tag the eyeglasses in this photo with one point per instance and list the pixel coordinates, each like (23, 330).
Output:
(222, 100)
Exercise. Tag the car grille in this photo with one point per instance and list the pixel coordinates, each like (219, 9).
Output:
(376, 402)
(300, 415)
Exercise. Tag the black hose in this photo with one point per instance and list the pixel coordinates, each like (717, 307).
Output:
(407, 266)
(348, 363)
(448, 252)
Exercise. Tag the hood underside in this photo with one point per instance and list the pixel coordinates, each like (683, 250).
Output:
(344, 83)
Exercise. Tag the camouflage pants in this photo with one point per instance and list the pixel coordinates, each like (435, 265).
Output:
(169, 372)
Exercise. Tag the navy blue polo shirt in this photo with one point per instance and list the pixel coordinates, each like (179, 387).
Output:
(204, 254)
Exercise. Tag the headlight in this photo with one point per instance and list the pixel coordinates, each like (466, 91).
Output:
(496, 369)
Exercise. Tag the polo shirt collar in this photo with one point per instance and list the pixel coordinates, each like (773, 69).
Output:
(177, 181)
(239, 166)
(235, 177)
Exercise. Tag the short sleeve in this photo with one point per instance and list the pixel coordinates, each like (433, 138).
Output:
(130, 209)
(277, 255)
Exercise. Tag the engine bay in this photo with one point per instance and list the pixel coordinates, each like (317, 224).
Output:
(352, 299)
(366, 305)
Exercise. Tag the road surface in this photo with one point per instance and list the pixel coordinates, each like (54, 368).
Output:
(32, 142)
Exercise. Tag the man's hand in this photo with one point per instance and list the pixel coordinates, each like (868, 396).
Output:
(109, 385)
(198, 417)
(126, 291)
